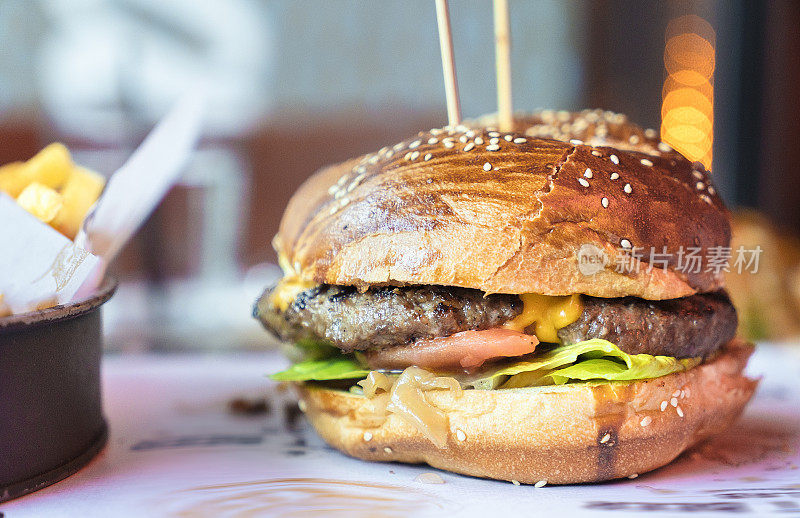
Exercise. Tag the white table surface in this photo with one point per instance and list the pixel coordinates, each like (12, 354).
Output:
(176, 450)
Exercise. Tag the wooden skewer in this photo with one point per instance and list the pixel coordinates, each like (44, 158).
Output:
(502, 53)
(448, 63)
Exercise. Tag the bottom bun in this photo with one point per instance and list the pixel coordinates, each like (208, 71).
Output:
(563, 434)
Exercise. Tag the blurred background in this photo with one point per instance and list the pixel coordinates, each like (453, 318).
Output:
(297, 84)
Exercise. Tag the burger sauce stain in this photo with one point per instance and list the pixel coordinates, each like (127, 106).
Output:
(611, 409)
(304, 497)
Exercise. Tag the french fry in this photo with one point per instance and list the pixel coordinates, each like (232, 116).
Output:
(52, 188)
(4, 309)
(13, 178)
(51, 166)
(79, 193)
(41, 201)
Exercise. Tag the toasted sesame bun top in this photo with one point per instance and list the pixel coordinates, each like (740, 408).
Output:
(593, 127)
(506, 213)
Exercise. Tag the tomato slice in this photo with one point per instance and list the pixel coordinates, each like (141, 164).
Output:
(467, 350)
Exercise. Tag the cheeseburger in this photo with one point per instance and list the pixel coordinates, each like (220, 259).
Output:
(545, 304)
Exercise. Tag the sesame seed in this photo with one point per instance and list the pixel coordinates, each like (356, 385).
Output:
(494, 140)
(711, 189)
(469, 146)
(428, 156)
(633, 476)
(520, 140)
(407, 156)
(509, 138)
(515, 482)
(583, 182)
(605, 438)
(680, 412)
(627, 188)
(429, 478)
(471, 133)
(360, 169)
(356, 181)
(646, 162)
(646, 421)
(487, 166)
(650, 133)
(494, 134)
(374, 159)
(676, 393)
(673, 402)
(614, 159)
(699, 186)
(460, 435)
(663, 405)
(576, 142)
(433, 140)
(625, 243)
(387, 450)
(415, 155)
(390, 153)
(634, 139)
(463, 139)
(596, 152)
(697, 174)
(448, 143)
(436, 131)
(541, 483)
(493, 147)
(478, 141)
(705, 198)
(614, 176)
(663, 147)
(587, 173)
(367, 436)
(398, 147)
(302, 405)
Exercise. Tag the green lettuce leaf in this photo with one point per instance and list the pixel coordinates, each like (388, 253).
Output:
(591, 360)
(338, 368)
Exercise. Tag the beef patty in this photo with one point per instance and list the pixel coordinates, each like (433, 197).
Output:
(384, 317)
(388, 317)
(684, 328)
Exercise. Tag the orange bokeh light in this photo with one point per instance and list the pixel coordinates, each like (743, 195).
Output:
(687, 109)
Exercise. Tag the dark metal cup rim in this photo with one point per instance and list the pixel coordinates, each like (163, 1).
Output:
(62, 311)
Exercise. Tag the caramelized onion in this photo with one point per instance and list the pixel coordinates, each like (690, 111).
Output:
(406, 398)
(374, 382)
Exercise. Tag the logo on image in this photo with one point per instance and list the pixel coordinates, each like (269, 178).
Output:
(591, 259)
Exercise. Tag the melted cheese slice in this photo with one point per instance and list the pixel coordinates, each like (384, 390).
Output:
(287, 290)
(548, 313)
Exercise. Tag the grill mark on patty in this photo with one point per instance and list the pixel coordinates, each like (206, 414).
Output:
(397, 316)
